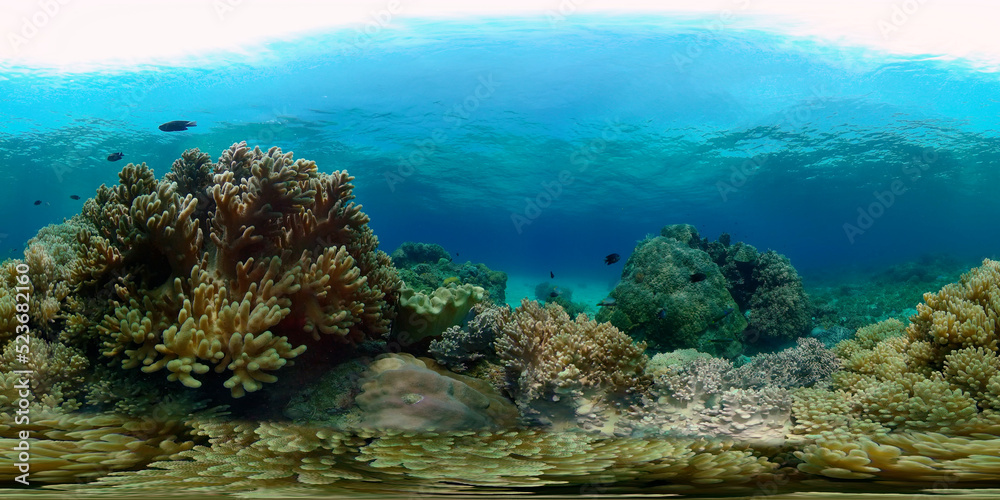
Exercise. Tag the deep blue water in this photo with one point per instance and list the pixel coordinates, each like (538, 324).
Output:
(450, 128)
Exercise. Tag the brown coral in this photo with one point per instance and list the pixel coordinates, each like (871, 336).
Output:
(544, 351)
(288, 258)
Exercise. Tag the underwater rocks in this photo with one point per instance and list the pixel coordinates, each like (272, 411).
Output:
(679, 290)
(425, 267)
(672, 296)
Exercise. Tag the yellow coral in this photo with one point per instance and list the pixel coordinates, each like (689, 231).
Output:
(544, 350)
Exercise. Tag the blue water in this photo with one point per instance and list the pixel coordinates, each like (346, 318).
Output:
(644, 121)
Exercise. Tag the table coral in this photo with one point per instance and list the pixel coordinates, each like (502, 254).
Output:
(236, 271)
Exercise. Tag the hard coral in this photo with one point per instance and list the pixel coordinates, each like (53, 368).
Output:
(230, 274)
(667, 307)
(545, 352)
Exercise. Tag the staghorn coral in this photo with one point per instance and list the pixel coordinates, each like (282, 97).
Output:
(545, 353)
(283, 257)
(57, 372)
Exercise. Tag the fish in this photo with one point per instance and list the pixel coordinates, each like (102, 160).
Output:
(722, 341)
(74, 197)
(38, 202)
(612, 258)
(116, 156)
(555, 292)
(551, 274)
(662, 313)
(725, 313)
(696, 277)
(177, 126)
(607, 302)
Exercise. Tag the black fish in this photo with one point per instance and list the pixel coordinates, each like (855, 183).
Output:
(551, 274)
(696, 277)
(74, 197)
(116, 156)
(555, 292)
(612, 258)
(177, 125)
(38, 202)
(662, 314)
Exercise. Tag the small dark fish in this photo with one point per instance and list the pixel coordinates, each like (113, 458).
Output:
(607, 302)
(722, 341)
(456, 254)
(38, 202)
(662, 314)
(555, 292)
(74, 197)
(177, 126)
(725, 313)
(116, 156)
(696, 277)
(612, 258)
(551, 274)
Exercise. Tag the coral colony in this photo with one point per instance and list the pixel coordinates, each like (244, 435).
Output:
(233, 327)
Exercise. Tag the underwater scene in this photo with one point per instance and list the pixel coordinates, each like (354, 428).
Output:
(564, 251)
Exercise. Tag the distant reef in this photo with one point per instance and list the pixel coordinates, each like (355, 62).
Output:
(679, 290)
(232, 329)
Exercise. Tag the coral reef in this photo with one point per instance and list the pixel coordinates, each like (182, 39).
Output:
(765, 285)
(458, 348)
(545, 353)
(546, 292)
(426, 267)
(809, 364)
(943, 375)
(681, 302)
(233, 272)
(424, 316)
(316, 461)
(405, 393)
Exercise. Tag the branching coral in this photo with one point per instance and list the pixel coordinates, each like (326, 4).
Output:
(287, 258)
(942, 376)
(457, 347)
(545, 352)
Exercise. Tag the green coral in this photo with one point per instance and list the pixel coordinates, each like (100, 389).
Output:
(672, 296)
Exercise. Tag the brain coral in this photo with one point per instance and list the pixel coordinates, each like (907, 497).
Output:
(680, 302)
(232, 267)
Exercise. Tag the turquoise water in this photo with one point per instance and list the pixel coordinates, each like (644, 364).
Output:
(537, 148)
(450, 128)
